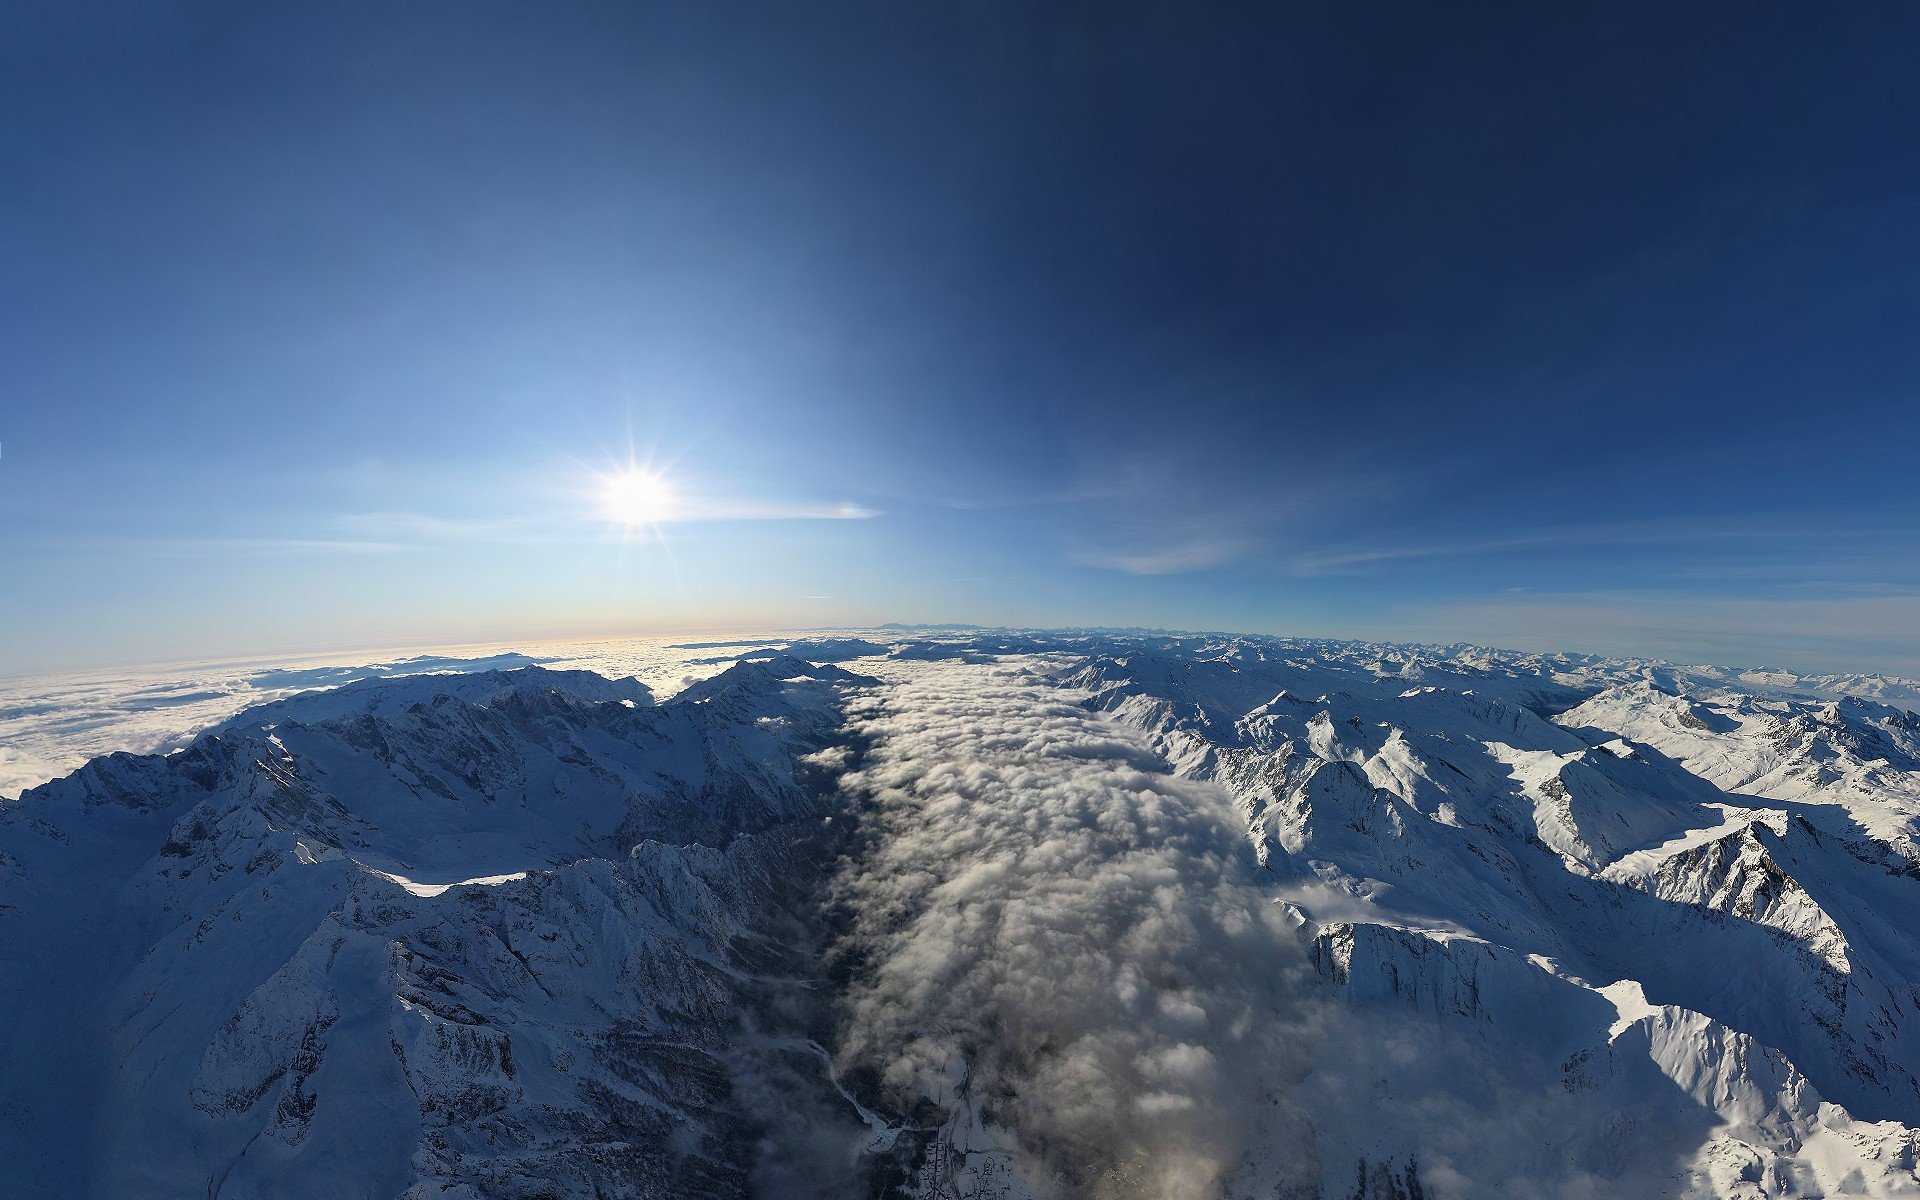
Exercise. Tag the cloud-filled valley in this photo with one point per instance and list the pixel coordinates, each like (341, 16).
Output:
(1067, 970)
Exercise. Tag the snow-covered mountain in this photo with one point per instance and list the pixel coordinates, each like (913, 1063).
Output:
(984, 914)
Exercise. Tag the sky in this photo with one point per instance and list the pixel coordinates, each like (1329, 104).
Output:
(1565, 326)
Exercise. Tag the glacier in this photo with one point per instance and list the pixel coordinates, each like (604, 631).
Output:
(977, 913)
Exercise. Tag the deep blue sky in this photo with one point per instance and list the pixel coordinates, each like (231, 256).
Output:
(1589, 327)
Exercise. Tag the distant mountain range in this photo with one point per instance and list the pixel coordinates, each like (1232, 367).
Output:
(945, 912)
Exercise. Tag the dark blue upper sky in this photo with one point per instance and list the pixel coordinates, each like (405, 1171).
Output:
(1588, 327)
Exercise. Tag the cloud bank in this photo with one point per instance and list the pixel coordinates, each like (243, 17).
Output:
(52, 724)
(1058, 960)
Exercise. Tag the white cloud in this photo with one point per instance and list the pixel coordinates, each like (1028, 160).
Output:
(1057, 938)
(53, 724)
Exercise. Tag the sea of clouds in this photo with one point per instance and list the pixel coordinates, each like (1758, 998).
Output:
(1059, 955)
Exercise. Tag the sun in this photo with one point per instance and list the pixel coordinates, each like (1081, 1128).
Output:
(637, 497)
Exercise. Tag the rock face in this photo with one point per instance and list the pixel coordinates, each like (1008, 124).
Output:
(983, 914)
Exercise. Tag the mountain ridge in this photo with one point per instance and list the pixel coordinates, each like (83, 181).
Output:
(1503, 925)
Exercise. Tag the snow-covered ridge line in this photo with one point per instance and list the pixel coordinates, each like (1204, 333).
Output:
(406, 936)
(1366, 919)
(1555, 924)
(53, 724)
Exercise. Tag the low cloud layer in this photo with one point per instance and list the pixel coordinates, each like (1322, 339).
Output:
(53, 724)
(1057, 956)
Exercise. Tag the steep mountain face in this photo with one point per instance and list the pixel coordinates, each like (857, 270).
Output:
(983, 914)
(456, 935)
(1693, 912)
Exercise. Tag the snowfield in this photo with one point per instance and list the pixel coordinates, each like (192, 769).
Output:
(976, 914)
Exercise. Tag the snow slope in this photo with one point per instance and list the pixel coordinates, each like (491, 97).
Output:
(983, 913)
(451, 935)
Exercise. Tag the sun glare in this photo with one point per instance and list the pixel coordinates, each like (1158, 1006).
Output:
(638, 497)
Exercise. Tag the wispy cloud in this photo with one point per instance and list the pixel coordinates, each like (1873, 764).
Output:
(392, 532)
(698, 510)
(415, 527)
(1165, 510)
(1168, 560)
(1355, 558)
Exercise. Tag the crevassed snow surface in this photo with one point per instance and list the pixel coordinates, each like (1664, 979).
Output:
(980, 914)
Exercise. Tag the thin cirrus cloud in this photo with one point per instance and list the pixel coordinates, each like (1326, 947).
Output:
(1145, 520)
(1168, 560)
(1355, 559)
(376, 533)
(764, 511)
(428, 527)
(1169, 539)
